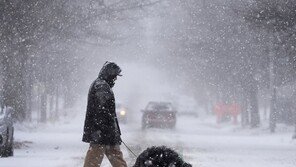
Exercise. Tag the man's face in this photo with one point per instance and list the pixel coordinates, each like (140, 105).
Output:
(111, 80)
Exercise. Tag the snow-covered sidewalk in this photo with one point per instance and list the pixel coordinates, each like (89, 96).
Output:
(51, 145)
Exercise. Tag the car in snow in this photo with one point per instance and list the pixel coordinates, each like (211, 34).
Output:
(159, 114)
(6, 132)
(121, 113)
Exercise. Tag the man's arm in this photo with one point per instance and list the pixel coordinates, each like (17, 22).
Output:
(103, 96)
(102, 93)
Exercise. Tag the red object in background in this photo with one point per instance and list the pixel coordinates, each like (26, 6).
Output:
(234, 110)
(223, 110)
(219, 111)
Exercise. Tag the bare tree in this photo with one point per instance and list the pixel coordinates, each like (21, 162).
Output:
(40, 42)
(277, 18)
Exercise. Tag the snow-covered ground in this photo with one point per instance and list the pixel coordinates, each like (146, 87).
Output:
(200, 141)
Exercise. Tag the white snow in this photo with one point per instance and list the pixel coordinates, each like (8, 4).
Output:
(199, 140)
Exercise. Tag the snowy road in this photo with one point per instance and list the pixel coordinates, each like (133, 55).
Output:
(201, 143)
(204, 144)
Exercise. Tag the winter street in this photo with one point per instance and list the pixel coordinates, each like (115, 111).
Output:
(200, 142)
(207, 83)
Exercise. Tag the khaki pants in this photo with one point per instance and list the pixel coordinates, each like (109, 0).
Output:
(95, 155)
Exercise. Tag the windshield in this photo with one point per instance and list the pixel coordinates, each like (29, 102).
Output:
(160, 106)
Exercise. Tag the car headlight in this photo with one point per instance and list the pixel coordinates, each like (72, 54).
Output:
(122, 112)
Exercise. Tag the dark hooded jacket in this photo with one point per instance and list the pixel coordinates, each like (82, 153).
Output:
(101, 124)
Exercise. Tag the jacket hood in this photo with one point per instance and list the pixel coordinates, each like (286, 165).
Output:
(109, 71)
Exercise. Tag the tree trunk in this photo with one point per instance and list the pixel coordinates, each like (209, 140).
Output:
(273, 113)
(29, 90)
(254, 111)
(294, 135)
(51, 106)
(14, 86)
(245, 111)
(43, 102)
(29, 104)
(57, 102)
(265, 109)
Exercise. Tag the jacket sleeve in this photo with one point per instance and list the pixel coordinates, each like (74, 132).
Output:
(102, 93)
(104, 120)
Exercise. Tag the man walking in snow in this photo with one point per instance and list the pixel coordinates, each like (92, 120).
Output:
(101, 128)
